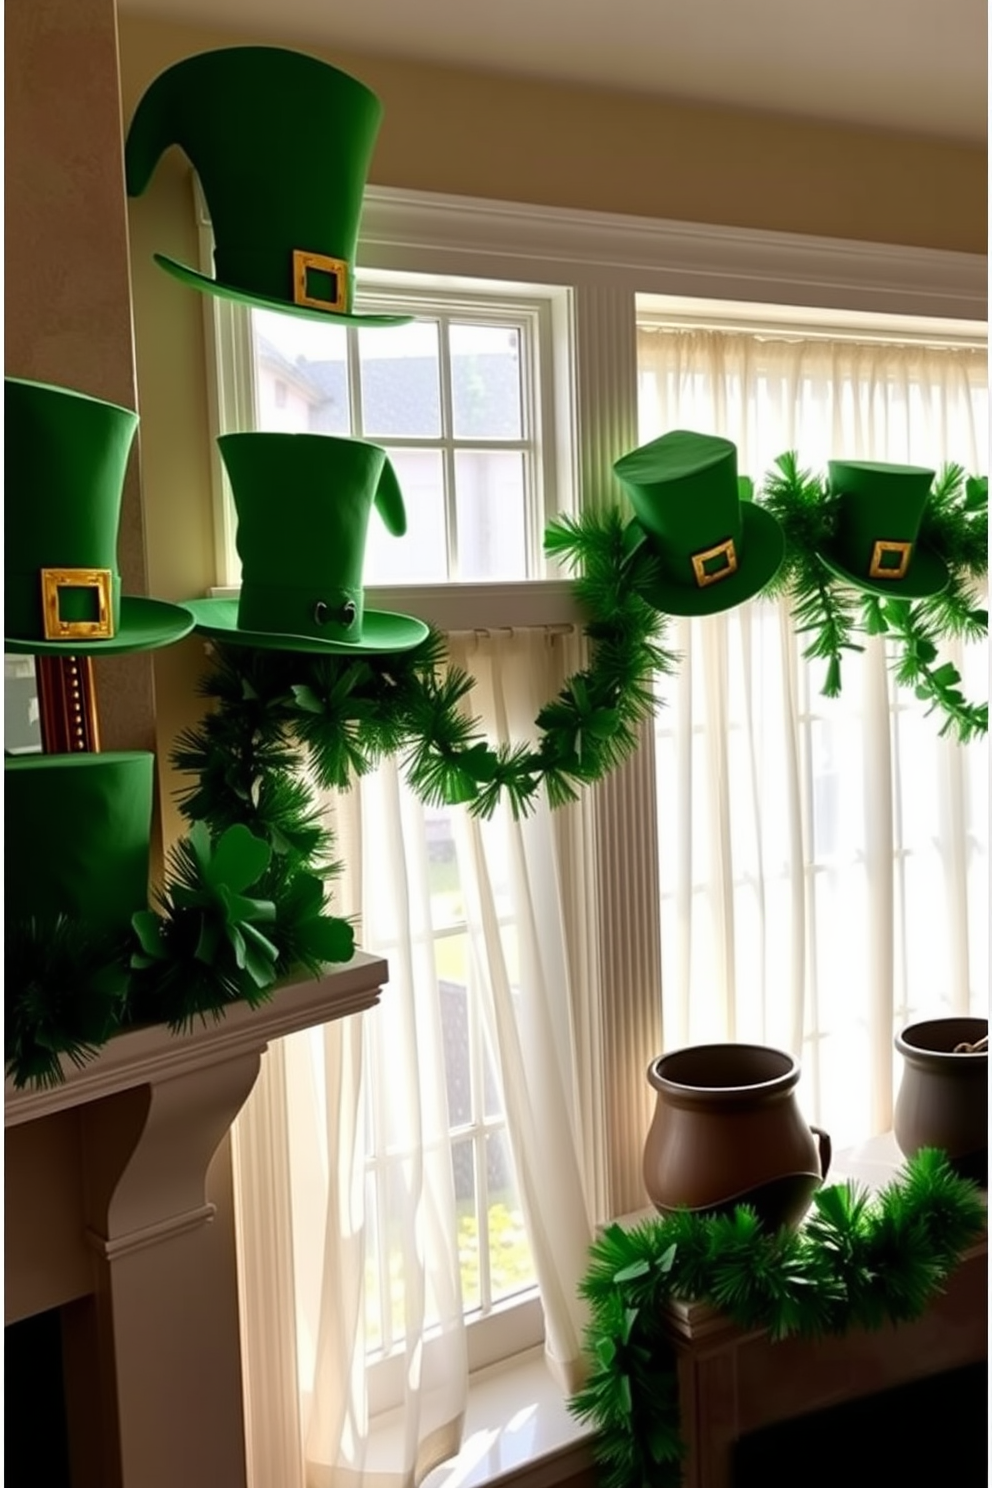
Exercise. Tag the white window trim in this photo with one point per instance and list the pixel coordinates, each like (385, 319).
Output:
(439, 234)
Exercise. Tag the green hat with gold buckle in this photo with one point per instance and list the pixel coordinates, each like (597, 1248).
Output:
(303, 504)
(65, 457)
(281, 143)
(876, 541)
(711, 547)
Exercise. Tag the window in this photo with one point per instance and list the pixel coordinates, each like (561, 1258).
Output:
(796, 809)
(606, 879)
(462, 400)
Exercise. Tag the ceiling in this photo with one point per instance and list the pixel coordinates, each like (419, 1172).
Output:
(913, 66)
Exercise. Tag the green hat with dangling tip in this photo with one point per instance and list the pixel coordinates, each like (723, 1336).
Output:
(77, 831)
(303, 504)
(281, 143)
(65, 457)
(710, 546)
(875, 545)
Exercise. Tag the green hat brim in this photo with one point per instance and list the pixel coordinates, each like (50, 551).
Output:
(764, 549)
(382, 632)
(143, 625)
(927, 575)
(207, 285)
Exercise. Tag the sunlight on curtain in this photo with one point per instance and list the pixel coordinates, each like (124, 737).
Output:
(824, 863)
(345, 1169)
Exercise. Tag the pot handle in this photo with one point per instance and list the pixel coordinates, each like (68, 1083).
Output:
(826, 1150)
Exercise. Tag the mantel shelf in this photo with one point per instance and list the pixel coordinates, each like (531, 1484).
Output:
(152, 1053)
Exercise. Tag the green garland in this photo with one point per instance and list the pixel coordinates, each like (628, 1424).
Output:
(209, 943)
(345, 714)
(65, 993)
(833, 614)
(857, 1262)
(285, 723)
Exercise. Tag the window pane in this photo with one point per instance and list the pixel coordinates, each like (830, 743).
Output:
(463, 1171)
(400, 380)
(301, 378)
(511, 1265)
(447, 903)
(453, 997)
(485, 381)
(489, 499)
(421, 556)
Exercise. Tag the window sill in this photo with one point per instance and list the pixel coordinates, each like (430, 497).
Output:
(458, 606)
(517, 1425)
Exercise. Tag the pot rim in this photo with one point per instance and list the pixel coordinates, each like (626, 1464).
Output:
(776, 1084)
(965, 1025)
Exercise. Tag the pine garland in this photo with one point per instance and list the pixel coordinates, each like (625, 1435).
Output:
(832, 613)
(344, 715)
(64, 993)
(243, 902)
(859, 1261)
(285, 724)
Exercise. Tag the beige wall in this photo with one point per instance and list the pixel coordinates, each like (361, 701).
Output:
(569, 146)
(468, 133)
(67, 304)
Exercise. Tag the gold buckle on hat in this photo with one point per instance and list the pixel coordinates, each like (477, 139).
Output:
(706, 575)
(336, 267)
(53, 580)
(878, 570)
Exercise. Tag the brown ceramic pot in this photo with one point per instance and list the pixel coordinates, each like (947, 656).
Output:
(943, 1098)
(727, 1130)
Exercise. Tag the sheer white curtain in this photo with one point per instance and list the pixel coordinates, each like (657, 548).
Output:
(823, 862)
(342, 1255)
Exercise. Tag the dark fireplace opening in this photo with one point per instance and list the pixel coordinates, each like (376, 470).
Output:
(36, 1445)
(931, 1432)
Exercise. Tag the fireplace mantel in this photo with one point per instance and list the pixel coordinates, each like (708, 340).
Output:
(116, 1211)
(149, 1054)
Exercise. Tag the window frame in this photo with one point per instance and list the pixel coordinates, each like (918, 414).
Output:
(543, 312)
(595, 265)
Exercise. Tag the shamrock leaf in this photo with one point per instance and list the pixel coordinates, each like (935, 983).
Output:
(239, 859)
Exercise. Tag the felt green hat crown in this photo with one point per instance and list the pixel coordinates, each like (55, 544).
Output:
(77, 833)
(875, 545)
(711, 547)
(303, 503)
(65, 456)
(281, 143)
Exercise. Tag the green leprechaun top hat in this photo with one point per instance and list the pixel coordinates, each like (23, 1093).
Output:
(710, 546)
(64, 462)
(876, 540)
(281, 143)
(77, 832)
(303, 503)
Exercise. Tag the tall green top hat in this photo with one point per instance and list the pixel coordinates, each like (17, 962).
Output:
(712, 547)
(875, 545)
(64, 463)
(281, 143)
(77, 832)
(303, 504)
